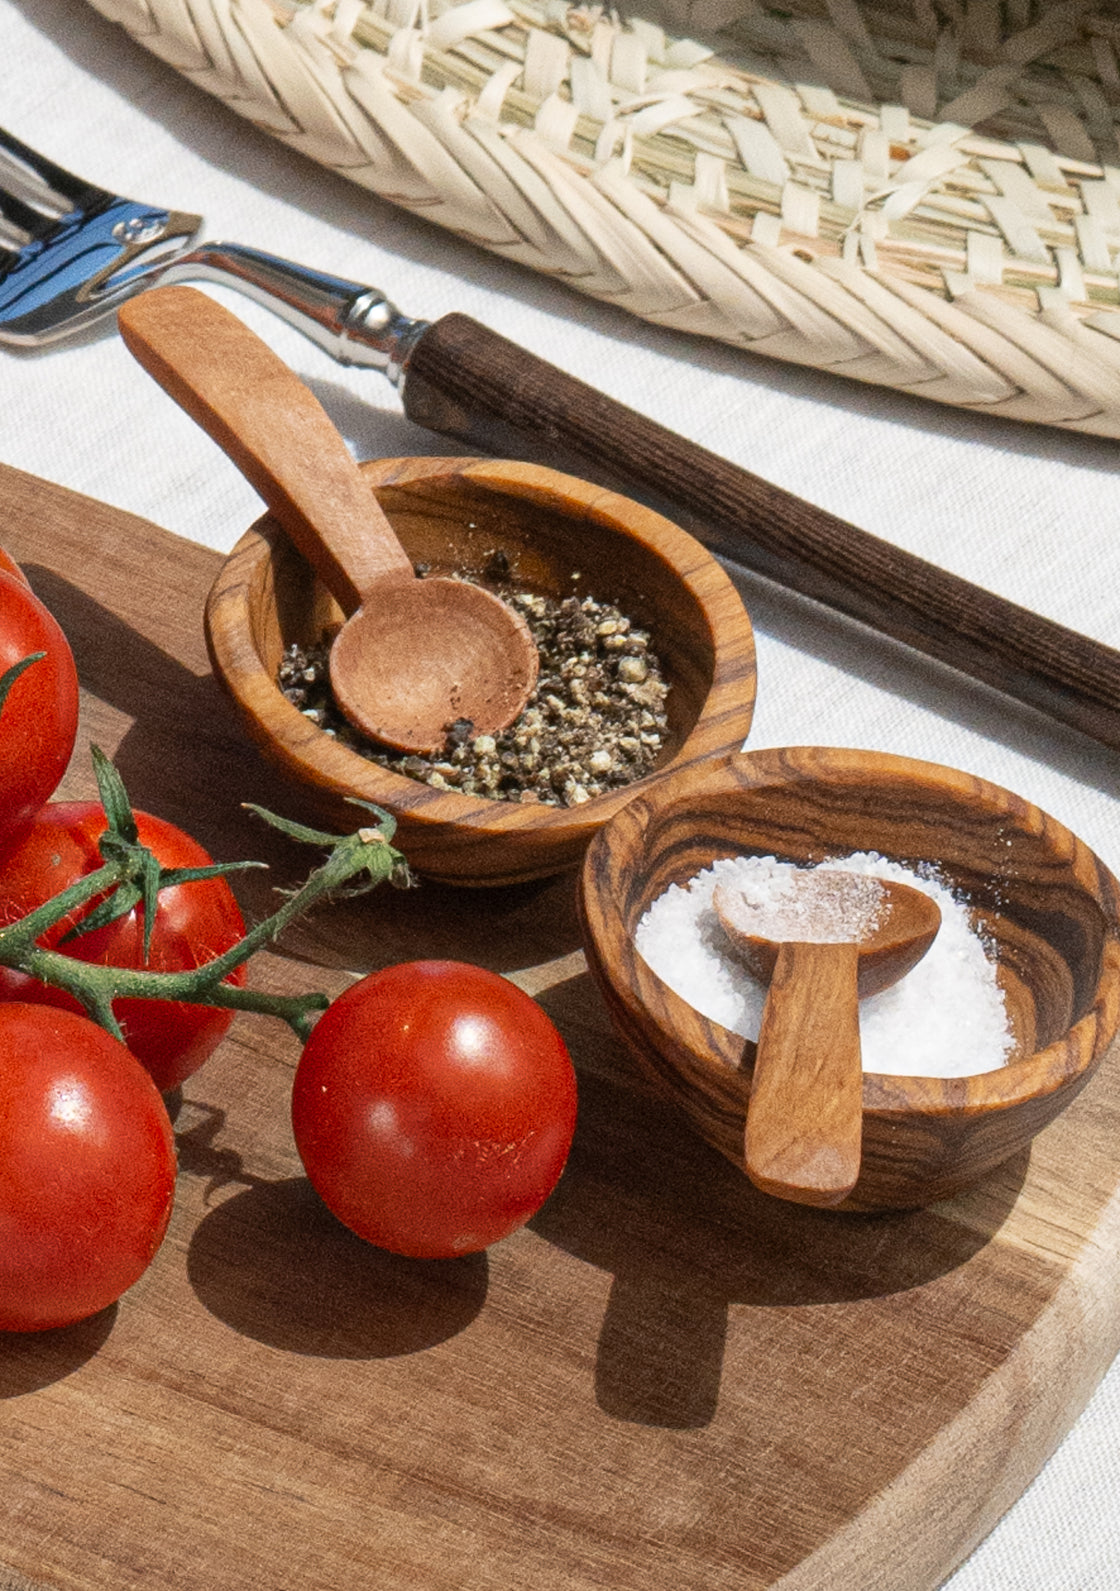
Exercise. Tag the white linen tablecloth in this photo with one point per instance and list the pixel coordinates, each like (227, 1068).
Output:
(1030, 513)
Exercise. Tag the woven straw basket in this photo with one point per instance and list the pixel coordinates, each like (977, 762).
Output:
(924, 195)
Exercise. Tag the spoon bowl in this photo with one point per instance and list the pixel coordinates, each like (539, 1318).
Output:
(420, 656)
(414, 656)
(827, 939)
(892, 925)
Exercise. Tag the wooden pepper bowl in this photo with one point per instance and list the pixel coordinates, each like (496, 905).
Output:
(1045, 903)
(451, 514)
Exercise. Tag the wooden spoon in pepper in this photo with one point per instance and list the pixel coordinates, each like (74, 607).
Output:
(829, 940)
(415, 655)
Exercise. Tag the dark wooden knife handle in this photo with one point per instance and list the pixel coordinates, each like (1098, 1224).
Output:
(464, 380)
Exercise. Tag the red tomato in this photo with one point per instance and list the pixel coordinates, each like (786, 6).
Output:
(195, 922)
(9, 566)
(87, 1168)
(39, 718)
(433, 1108)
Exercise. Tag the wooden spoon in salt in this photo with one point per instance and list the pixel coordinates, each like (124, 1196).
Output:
(416, 655)
(830, 939)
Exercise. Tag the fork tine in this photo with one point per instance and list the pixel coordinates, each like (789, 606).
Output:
(71, 251)
(23, 221)
(40, 183)
(35, 194)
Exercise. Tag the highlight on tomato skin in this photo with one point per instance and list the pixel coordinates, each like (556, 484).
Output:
(39, 716)
(87, 1168)
(8, 566)
(433, 1108)
(195, 922)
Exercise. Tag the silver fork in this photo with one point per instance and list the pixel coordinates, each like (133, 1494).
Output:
(74, 252)
(70, 253)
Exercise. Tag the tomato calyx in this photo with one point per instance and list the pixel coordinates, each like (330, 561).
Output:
(131, 875)
(140, 875)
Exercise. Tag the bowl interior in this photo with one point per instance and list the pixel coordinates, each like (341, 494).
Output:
(1045, 906)
(452, 524)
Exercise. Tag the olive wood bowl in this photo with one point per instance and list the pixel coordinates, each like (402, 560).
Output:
(451, 514)
(1041, 898)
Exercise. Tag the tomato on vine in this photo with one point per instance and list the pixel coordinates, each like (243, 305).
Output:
(194, 923)
(38, 704)
(87, 1168)
(433, 1108)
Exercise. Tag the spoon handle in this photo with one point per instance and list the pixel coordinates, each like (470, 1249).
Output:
(274, 429)
(805, 1112)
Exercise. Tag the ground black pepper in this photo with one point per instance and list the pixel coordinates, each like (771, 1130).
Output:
(595, 722)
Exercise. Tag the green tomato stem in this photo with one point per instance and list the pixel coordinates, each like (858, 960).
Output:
(18, 938)
(366, 855)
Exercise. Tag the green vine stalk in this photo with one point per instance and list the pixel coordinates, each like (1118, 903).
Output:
(130, 875)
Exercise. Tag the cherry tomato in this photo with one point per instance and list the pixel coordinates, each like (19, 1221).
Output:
(39, 717)
(9, 566)
(433, 1108)
(87, 1168)
(195, 922)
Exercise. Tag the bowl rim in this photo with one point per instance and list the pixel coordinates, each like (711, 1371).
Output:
(1068, 1060)
(310, 755)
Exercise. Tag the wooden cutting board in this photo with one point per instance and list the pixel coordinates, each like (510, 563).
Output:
(667, 1382)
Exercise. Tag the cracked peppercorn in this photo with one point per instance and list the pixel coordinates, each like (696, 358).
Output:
(595, 722)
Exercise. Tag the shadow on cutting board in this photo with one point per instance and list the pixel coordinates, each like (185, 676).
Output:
(689, 1241)
(351, 1300)
(32, 1360)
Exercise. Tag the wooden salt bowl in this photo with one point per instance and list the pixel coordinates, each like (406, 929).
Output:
(451, 514)
(1047, 904)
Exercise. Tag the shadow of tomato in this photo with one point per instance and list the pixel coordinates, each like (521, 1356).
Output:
(32, 1360)
(274, 1263)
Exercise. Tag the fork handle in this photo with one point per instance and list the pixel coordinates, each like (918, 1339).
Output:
(466, 381)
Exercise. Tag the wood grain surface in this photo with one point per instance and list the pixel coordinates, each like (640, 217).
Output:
(667, 1381)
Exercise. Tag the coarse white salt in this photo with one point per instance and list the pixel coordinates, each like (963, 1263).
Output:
(945, 1018)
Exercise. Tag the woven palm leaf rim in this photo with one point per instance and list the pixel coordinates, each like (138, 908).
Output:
(919, 196)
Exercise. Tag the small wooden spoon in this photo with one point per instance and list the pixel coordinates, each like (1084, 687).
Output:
(416, 655)
(805, 1112)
